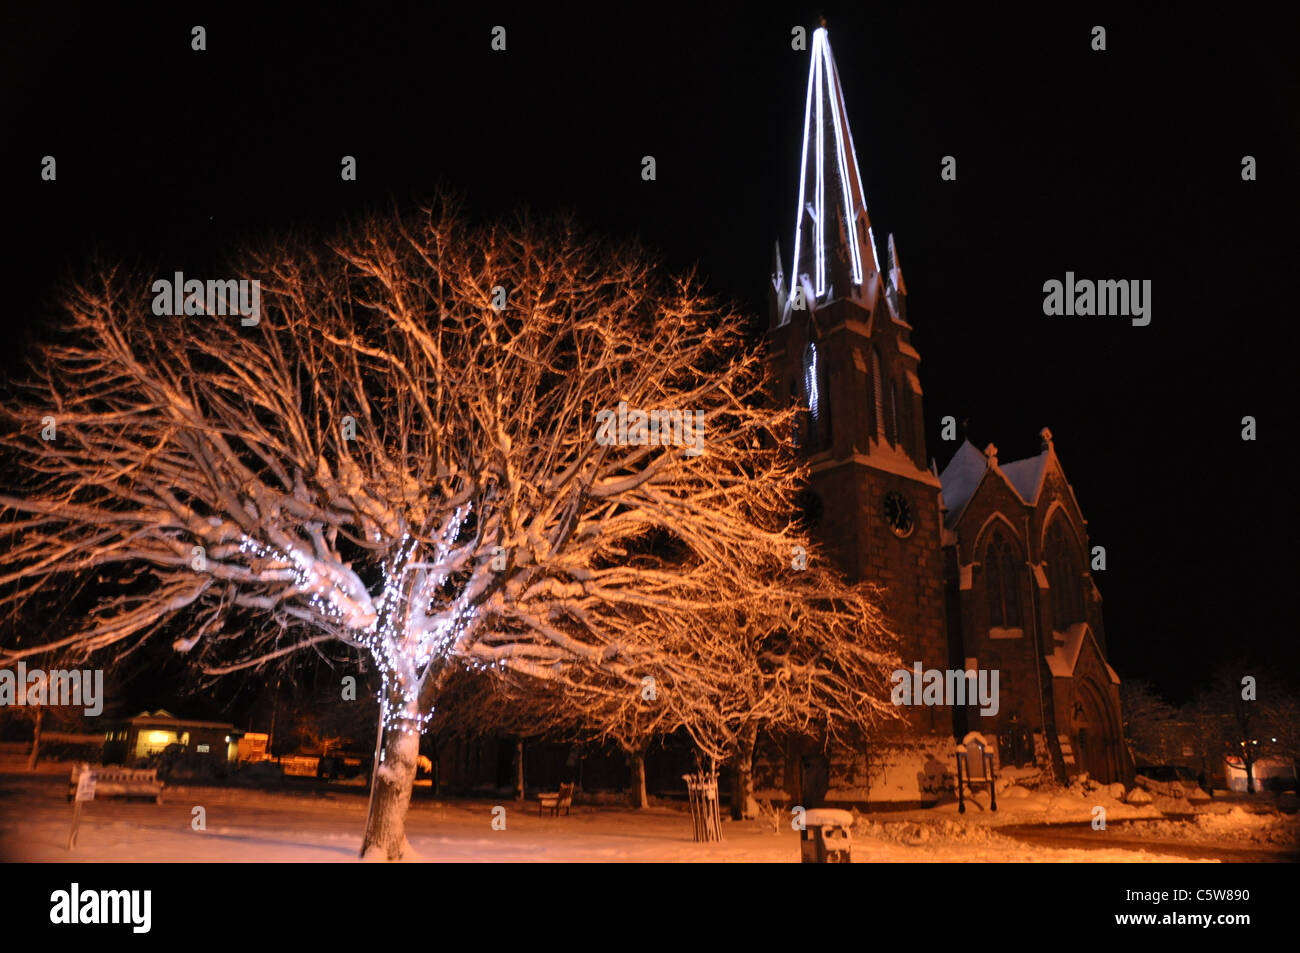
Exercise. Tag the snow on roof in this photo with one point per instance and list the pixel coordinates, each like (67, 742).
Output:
(1027, 475)
(884, 456)
(960, 478)
(164, 717)
(1065, 657)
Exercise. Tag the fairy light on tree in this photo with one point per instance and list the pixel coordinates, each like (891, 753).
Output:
(469, 519)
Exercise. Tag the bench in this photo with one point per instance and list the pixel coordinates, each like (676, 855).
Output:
(556, 800)
(112, 781)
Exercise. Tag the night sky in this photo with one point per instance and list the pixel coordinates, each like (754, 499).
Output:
(1119, 164)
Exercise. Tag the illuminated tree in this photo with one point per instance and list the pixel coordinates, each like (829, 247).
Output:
(434, 445)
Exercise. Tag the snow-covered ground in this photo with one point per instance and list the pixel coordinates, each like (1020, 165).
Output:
(326, 824)
(1212, 830)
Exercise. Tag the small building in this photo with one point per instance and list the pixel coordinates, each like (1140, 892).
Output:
(1270, 774)
(150, 733)
(254, 746)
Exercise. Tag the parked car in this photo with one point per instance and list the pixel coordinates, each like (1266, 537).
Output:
(261, 772)
(343, 765)
(178, 763)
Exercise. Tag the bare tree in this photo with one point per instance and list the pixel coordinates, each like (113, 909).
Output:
(1150, 723)
(811, 662)
(413, 451)
(808, 657)
(1248, 712)
(43, 706)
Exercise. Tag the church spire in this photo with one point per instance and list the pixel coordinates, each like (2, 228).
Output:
(833, 244)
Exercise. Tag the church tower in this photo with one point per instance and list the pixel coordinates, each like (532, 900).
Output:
(840, 344)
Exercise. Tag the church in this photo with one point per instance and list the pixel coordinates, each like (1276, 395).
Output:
(985, 564)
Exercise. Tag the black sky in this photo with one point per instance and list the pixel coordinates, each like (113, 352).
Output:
(1117, 164)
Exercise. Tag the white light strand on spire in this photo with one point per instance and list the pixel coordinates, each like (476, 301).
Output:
(853, 153)
(803, 173)
(846, 184)
(821, 71)
(821, 171)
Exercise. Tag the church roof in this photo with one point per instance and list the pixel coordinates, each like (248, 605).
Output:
(1027, 475)
(833, 242)
(960, 478)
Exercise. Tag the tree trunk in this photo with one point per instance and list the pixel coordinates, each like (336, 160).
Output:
(393, 778)
(743, 782)
(519, 770)
(437, 765)
(36, 739)
(793, 774)
(391, 784)
(275, 707)
(639, 797)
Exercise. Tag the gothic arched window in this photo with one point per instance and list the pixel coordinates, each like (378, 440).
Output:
(1064, 576)
(817, 399)
(1002, 575)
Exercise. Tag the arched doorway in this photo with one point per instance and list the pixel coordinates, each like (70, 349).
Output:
(1096, 734)
(1015, 744)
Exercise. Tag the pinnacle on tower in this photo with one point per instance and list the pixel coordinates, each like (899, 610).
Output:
(895, 269)
(896, 287)
(833, 243)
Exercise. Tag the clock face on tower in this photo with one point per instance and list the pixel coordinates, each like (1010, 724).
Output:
(898, 514)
